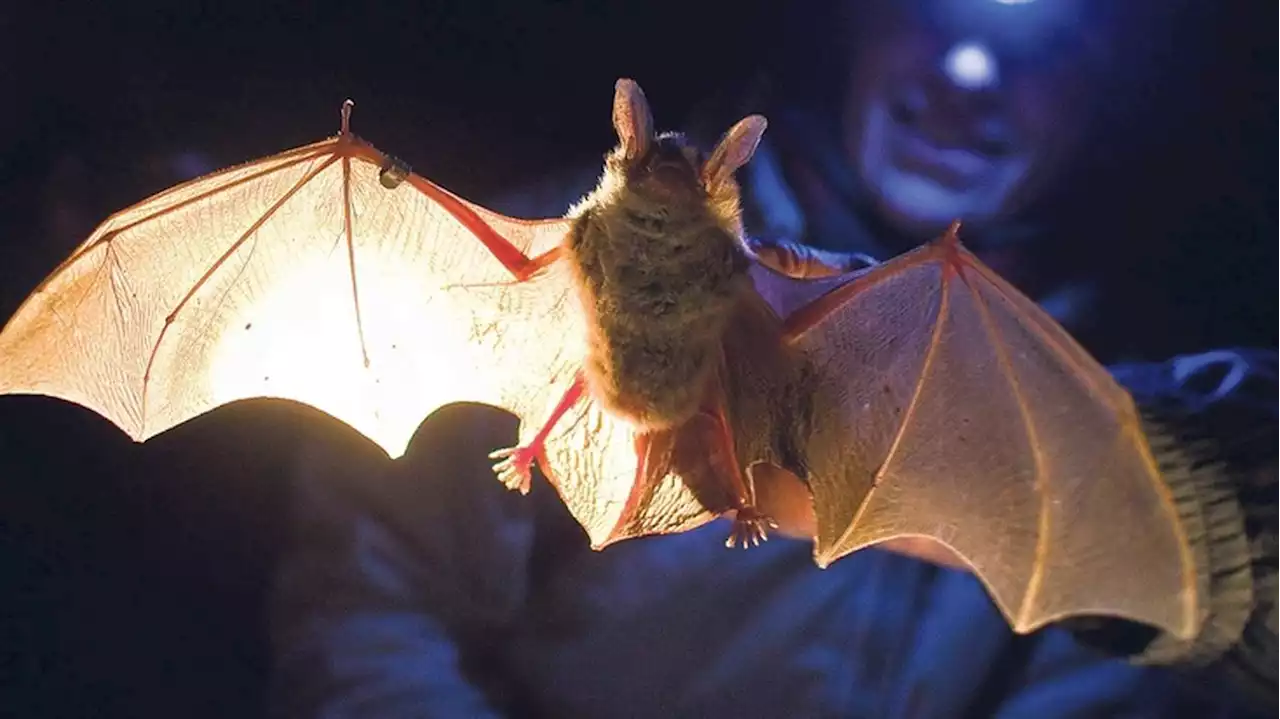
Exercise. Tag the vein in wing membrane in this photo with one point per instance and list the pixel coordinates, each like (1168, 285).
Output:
(78, 338)
(265, 307)
(954, 408)
(301, 276)
(1106, 509)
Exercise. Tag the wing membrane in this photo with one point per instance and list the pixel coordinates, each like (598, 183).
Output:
(303, 276)
(246, 283)
(952, 407)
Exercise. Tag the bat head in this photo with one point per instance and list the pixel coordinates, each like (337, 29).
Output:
(667, 165)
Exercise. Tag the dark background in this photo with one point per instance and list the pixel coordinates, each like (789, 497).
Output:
(131, 577)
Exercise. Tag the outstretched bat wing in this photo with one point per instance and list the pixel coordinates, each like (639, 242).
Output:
(950, 406)
(330, 275)
(299, 276)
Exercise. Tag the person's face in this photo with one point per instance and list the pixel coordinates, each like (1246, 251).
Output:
(957, 110)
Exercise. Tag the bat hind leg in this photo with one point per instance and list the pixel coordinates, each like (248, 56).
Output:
(515, 466)
(750, 528)
(653, 461)
(750, 525)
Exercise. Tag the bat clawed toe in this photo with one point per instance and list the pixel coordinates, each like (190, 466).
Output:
(515, 468)
(750, 528)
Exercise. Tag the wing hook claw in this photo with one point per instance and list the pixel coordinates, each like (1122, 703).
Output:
(345, 129)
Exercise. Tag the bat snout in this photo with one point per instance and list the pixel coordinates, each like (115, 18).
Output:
(673, 172)
(669, 175)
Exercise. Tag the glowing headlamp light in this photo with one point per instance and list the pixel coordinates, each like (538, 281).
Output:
(989, 34)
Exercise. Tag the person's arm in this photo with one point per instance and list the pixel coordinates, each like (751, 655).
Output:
(1250, 666)
(1222, 404)
(1061, 678)
(1221, 407)
(399, 580)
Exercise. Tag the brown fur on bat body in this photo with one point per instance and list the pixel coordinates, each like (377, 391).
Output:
(661, 269)
(660, 263)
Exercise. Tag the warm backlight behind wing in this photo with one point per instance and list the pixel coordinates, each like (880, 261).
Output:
(299, 276)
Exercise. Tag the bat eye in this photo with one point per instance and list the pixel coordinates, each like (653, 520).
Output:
(393, 172)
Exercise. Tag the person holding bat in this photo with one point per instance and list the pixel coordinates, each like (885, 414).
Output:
(431, 590)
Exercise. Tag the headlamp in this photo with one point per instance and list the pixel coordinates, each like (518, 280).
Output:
(991, 36)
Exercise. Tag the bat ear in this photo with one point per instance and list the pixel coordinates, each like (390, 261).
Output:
(735, 149)
(632, 118)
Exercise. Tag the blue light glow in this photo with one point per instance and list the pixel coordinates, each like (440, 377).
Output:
(971, 66)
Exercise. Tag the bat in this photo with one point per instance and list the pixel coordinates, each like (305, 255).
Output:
(664, 370)
(657, 260)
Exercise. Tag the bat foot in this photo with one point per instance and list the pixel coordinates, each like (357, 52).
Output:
(750, 528)
(515, 470)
